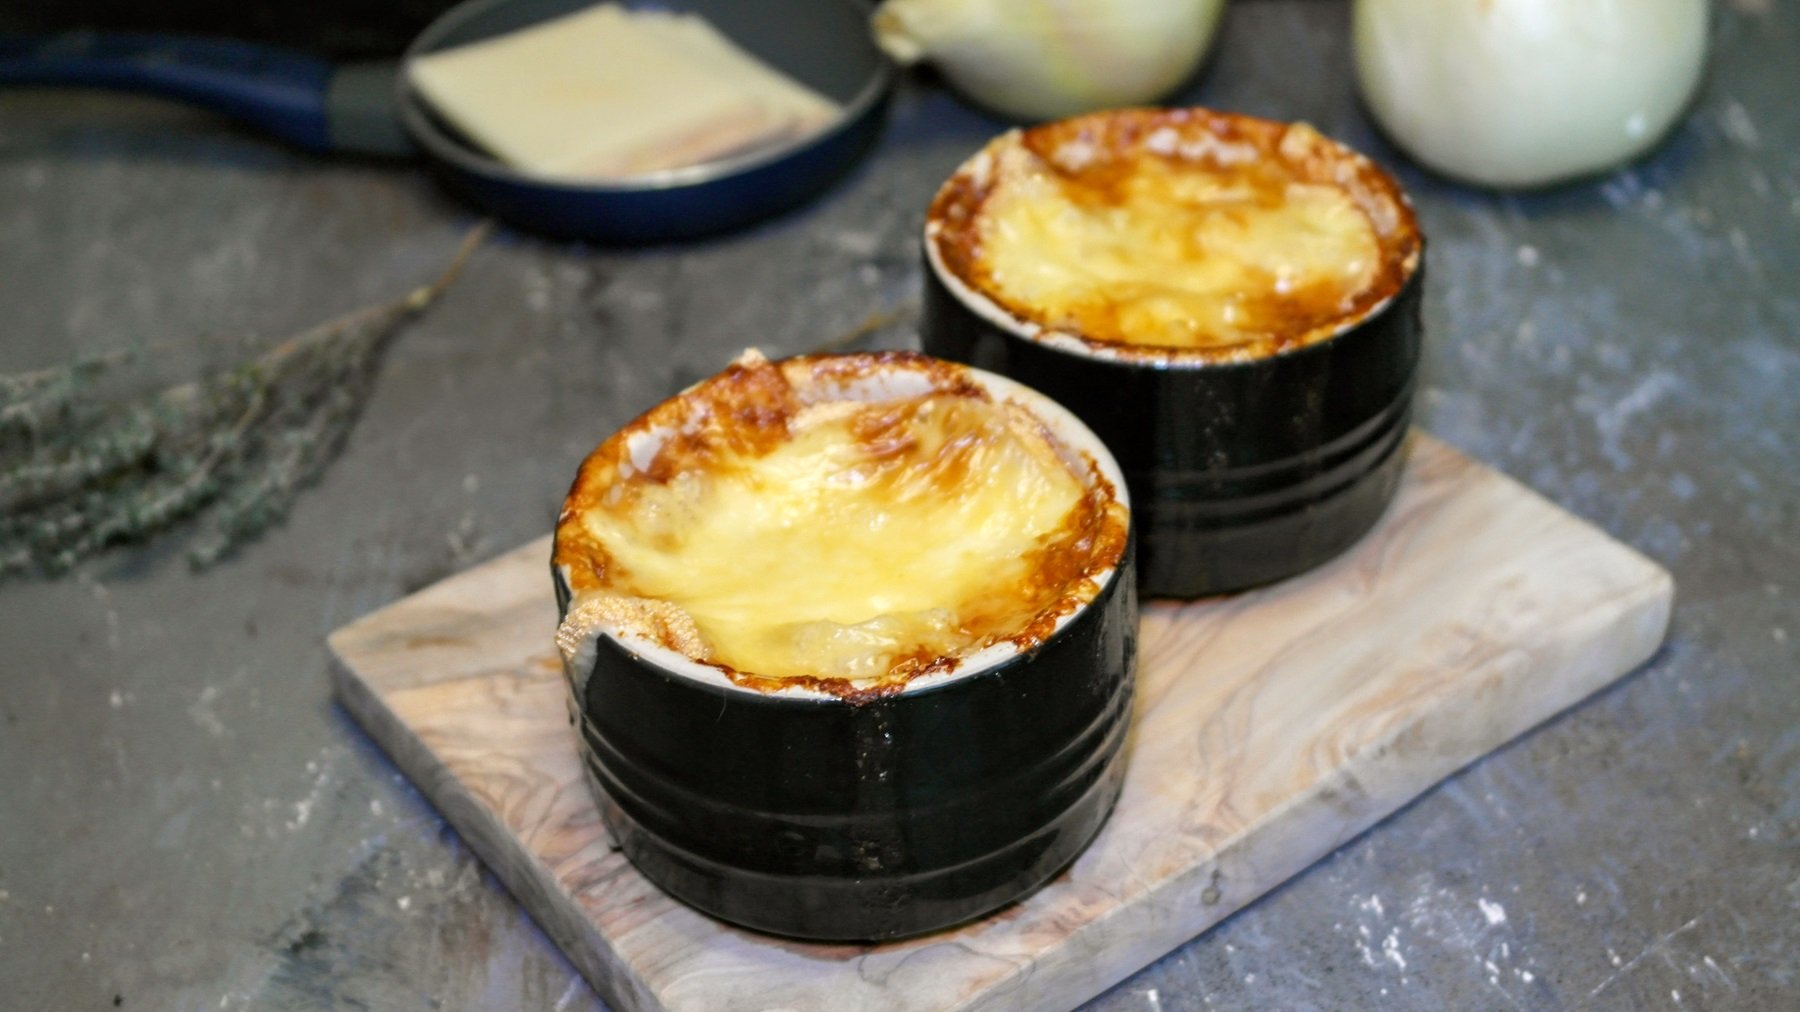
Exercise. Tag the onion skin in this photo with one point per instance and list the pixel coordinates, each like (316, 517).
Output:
(1527, 93)
(1037, 60)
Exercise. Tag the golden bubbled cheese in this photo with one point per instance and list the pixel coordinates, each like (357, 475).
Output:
(1181, 229)
(863, 542)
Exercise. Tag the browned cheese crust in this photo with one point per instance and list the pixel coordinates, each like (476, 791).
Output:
(745, 412)
(1118, 155)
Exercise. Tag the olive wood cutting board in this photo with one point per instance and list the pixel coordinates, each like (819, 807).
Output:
(1270, 727)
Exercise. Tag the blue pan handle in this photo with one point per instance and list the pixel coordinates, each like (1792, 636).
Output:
(301, 99)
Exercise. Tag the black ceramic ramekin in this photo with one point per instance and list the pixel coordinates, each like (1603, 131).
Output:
(805, 814)
(1241, 472)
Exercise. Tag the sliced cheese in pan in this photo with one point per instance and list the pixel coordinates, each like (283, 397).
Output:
(606, 92)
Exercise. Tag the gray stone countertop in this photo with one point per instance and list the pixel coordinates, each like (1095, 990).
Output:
(188, 821)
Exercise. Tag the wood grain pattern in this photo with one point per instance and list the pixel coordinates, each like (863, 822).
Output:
(1270, 728)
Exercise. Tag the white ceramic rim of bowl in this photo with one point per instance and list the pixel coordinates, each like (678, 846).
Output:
(1063, 424)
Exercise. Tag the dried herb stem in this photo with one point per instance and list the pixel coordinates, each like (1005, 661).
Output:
(228, 450)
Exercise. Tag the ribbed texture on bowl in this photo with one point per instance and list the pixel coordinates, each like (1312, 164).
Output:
(827, 820)
(1240, 473)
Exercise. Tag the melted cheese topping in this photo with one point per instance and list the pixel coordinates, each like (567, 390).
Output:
(864, 544)
(1178, 259)
(1165, 233)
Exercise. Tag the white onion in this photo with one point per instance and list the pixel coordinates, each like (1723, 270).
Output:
(1035, 59)
(1518, 93)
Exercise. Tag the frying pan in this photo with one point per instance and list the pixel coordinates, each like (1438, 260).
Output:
(370, 109)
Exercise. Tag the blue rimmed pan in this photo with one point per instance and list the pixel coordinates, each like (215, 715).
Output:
(369, 109)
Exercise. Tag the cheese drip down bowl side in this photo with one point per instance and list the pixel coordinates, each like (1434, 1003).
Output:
(1247, 462)
(862, 817)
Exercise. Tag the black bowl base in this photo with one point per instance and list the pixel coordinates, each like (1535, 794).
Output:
(895, 904)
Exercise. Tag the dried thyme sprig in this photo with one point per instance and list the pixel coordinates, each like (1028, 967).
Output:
(227, 451)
